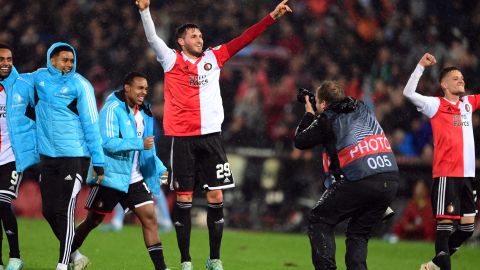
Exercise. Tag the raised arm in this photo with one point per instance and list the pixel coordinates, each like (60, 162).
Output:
(165, 56)
(426, 105)
(257, 29)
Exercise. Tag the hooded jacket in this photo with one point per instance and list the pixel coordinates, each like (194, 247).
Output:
(21, 118)
(67, 116)
(355, 142)
(120, 141)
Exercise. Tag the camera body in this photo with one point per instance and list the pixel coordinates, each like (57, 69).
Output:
(302, 93)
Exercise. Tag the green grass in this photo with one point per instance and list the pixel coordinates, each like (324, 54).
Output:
(240, 250)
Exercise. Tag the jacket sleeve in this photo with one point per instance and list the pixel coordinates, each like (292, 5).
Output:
(311, 131)
(110, 129)
(87, 110)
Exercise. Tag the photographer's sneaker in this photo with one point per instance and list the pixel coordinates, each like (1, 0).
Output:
(187, 266)
(14, 264)
(214, 264)
(429, 266)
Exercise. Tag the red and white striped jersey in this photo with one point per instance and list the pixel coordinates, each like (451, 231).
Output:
(193, 104)
(454, 147)
(6, 152)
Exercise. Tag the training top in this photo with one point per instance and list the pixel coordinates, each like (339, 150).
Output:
(193, 104)
(453, 145)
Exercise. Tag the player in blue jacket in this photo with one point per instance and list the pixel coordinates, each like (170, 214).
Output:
(68, 137)
(132, 169)
(18, 149)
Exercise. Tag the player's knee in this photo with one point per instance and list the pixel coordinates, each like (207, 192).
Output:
(94, 219)
(184, 197)
(215, 196)
(4, 207)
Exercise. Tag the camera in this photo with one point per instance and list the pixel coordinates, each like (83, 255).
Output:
(302, 93)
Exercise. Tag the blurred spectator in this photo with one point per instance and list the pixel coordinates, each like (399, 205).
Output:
(417, 220)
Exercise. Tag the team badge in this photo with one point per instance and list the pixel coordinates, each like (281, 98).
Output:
(467, 107)
(450, 208)
(207, 66)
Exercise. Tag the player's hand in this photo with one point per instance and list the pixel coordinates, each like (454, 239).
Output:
(308, 105)
(280, 10)
(142, 4)
(427, 60)
(98, 174)
(148, 142)
(164, 178)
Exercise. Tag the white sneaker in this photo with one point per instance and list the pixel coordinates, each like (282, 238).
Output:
(81, 262)
(429, 266)
(187, 266)
(1, 267)
(14, 264)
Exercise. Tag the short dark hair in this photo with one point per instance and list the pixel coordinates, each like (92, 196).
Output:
(182, 30)
(132, 75)
(5, 46)
(59, 49)
(445, 71)
(330, 92)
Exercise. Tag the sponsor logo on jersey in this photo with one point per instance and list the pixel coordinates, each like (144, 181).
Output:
(207, 66)
(467, 107)
(460, 120)
(198, 80)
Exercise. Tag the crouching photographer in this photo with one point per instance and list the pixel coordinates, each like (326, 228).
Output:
(362, 173)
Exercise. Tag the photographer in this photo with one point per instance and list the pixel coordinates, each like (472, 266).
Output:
(362, 177)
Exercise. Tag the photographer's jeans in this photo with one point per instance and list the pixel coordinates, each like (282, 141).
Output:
(364, 202)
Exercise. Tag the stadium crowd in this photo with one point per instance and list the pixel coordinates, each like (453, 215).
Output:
(370, 46)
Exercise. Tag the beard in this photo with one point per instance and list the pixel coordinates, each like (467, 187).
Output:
(192, 50)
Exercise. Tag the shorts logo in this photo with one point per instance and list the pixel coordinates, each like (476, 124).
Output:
(99, 204)
(467, 107)
(176, 185)
(68, 178)
(207, 66)
(227, 180)
(12, 188)
(450, 208)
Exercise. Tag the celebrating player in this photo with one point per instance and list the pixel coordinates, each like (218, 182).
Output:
(193, 116)
(453, 158)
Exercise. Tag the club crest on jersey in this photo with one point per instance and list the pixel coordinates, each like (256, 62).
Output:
(17, 98)
(450, 208)
(207, 66)
(467, 107)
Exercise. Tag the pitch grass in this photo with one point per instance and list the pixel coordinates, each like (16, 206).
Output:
(240, 250)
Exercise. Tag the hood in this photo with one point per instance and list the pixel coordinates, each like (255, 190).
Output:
(10, 79)
(53, 69)
(346, 105)
(119, 95)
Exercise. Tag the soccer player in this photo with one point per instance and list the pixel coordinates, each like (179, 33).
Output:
(17, 147)
(453, 195)
(68, 137)
(132, 168)
(193, 117)
(362, 176)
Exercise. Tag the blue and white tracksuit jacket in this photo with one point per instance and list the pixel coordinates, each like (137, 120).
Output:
(21, 118)
(120, 141)
(66, 112)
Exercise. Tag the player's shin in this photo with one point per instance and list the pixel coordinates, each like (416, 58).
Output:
(215, 224)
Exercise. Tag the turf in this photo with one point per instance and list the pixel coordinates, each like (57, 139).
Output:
(240, 250)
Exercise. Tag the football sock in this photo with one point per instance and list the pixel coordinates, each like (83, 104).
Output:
(183, 227)
(442, 259)
(215, 228)
(11, 229)
(156, 254)
(463, 232)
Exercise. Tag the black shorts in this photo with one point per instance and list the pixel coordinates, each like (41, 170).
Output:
(103, 199)
(199, 160)
(9, 182)
(453, 197)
